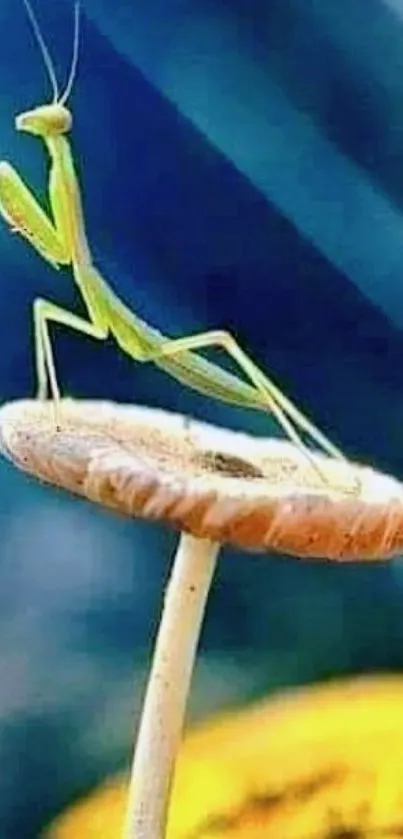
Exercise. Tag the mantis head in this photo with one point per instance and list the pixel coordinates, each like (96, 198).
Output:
(54, 118)
(45, 121)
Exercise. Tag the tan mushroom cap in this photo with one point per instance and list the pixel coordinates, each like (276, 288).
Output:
(261, 494)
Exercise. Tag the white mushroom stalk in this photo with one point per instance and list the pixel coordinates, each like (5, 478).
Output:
(215, 486)
(168, 687)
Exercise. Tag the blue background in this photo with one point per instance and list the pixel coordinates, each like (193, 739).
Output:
(242, 167)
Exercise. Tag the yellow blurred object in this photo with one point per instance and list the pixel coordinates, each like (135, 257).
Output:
(324, 762)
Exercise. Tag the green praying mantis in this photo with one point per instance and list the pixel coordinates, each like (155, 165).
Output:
(61, 240)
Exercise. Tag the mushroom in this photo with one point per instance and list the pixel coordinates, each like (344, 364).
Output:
(215, 486)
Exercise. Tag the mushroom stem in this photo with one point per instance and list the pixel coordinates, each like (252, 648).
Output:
(168, 687)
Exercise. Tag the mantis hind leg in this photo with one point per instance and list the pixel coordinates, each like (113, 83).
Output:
(293, 422)
(44, 313)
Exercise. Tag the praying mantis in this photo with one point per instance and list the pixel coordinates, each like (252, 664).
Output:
(61, 240)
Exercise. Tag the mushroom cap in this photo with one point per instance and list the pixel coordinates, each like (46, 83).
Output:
(261, 494)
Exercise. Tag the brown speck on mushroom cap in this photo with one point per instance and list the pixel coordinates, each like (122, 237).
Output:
(260, 494)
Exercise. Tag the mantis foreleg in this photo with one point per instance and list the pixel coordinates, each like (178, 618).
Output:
(23, 212)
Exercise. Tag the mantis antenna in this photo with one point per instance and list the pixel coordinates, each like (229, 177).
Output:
(74, 58)
(46, 54)
(43, 48)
